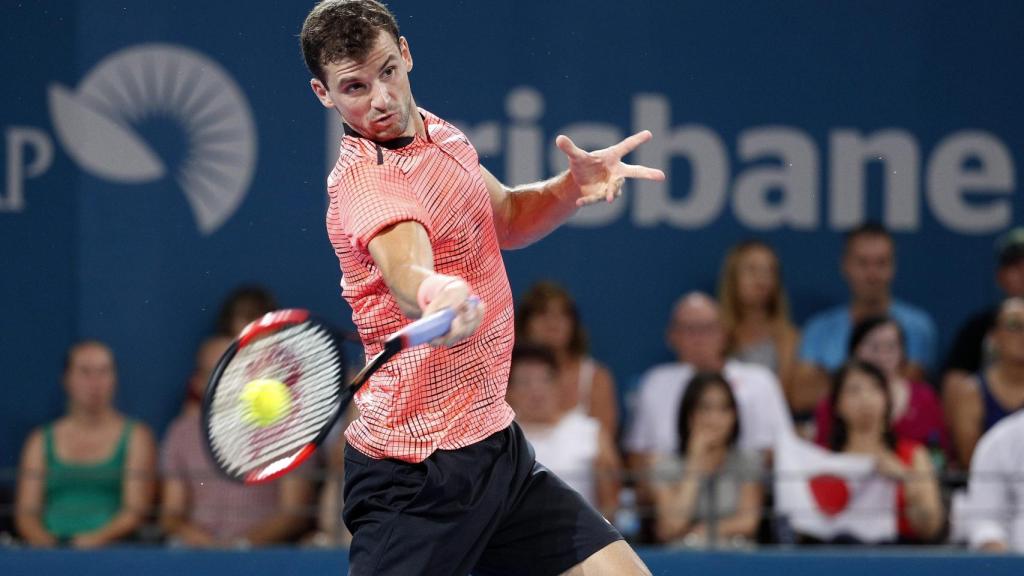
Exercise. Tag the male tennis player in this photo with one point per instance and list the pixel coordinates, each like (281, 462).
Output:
(438, 478)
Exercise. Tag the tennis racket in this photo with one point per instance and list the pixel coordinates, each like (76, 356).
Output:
(305, 355)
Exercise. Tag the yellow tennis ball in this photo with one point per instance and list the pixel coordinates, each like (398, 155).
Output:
(265, 401)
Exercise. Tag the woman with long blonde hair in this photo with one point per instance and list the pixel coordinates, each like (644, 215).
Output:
(755, 310)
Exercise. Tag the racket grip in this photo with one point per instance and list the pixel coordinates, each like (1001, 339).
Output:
(434, 326)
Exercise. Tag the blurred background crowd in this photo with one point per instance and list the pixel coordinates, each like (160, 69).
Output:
(853, 428)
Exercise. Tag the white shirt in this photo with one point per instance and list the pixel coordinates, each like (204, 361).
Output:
(995, 505)
(569, 449)
(763, 413)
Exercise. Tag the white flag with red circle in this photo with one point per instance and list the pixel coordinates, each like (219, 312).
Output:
(828, 495)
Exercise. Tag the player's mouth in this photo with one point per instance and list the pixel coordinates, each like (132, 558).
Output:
(387, 119)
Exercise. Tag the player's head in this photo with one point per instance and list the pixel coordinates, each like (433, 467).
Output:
(869, 262)
(360, 66)
(533, 384)
(90, 376)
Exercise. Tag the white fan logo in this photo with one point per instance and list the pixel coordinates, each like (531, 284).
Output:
(94, 123)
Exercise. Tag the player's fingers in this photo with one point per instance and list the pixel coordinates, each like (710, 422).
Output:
(565, 144)
(630, 144)
(634, 171)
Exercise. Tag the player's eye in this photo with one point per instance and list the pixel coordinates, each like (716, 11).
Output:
(388, 72)
(353, 88)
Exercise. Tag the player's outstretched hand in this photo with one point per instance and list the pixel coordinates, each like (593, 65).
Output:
(467, 314)
(601, 173)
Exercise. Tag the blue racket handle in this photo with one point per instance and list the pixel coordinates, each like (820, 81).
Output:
(434, 326)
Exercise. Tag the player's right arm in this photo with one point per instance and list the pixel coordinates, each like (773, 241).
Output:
(403, 254)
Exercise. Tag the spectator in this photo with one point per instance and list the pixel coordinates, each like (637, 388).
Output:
(862, 406)
(869, 265)
(975, 404)
(755, 310)
(916, 411)
(996, 489)
(548, 317)
(569, 443)
(200, 507)
(243, 305)
(86, 480)
(971, 351)
(687, 506)
(696, 336)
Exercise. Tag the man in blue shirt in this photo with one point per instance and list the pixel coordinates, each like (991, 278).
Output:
(869, 265)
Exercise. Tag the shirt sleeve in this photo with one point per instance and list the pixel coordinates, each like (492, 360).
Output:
(988, 493)
(371, 197)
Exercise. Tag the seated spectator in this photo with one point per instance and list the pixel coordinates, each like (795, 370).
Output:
(86, 480)
(243, 305)
(755, 311)
(975, 404)
(916, 410)
(869, 265)
(996, 489)
(331, 531)
(971, 352)
(697, 337)
(547, 316)
(862, 407)
(202, 508)
(686, 506)
(570, 444)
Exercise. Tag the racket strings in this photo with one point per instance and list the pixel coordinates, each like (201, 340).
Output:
(306, 358)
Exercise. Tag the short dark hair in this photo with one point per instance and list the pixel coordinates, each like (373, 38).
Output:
(700, 383)
(337, 30)
(530, 353)
(839, 433)
(866, 229)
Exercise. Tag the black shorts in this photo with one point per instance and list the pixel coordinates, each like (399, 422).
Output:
(486, 509)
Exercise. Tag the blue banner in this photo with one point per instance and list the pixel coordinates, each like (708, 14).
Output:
(158, 154)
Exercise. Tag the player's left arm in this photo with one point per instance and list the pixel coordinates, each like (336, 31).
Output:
(525, 214)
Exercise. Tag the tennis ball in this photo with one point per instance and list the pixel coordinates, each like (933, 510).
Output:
(264, 401)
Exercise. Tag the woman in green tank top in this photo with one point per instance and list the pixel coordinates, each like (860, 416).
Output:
(86, 480)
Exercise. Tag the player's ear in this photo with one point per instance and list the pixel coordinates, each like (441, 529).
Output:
(321, 92)
(403, 46)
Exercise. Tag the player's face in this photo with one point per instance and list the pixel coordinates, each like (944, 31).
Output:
(90, 378)
(869, 267)
(373, 96)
